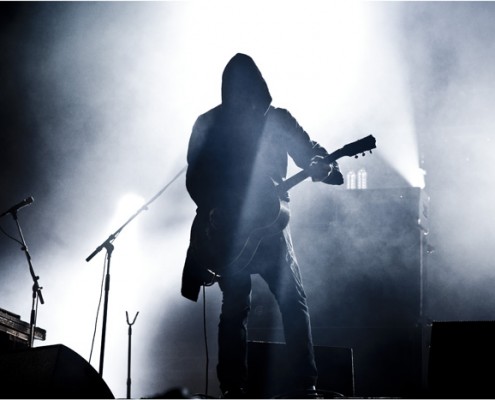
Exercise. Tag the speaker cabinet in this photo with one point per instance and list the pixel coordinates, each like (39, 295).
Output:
(361, 254)
(269, 373)
(50, 372)
(462, 359)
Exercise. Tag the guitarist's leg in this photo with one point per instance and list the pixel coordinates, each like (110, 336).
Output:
(285, 283)
(232, 334)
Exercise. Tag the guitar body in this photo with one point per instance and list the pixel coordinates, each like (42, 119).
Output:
(232, 246)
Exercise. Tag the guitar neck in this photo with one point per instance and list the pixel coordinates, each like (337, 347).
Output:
(289, 183)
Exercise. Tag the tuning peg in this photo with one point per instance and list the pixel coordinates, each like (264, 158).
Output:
(364, 154)
(356, 156)
(371, 152)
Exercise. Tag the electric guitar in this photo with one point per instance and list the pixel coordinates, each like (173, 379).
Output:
(231, 250)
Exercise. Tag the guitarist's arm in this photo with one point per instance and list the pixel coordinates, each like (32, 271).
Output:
(306, 153)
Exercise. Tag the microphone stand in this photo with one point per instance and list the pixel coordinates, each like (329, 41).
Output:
(36, 287)
(107, 244)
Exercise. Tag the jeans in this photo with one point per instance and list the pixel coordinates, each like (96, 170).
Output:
(275, 262)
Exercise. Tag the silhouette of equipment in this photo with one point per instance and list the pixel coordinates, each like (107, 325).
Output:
(53, 372)
(15, 333)
(461, 360)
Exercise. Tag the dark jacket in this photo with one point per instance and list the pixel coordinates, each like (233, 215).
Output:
(232, 147)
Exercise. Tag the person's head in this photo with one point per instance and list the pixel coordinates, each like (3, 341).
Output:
(243, 86)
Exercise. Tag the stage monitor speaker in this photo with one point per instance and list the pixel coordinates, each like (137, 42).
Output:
(50, 372)
(461, 360)
(269, 370)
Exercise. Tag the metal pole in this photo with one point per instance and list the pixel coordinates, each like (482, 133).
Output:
(129, 352)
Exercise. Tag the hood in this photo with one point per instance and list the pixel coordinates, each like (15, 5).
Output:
(243, 85)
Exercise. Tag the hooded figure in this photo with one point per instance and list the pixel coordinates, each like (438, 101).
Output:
(234, 150)
(225, 140)
(243, 86)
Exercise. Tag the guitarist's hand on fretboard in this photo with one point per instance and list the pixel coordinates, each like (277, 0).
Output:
(318, 169)
(335, 177)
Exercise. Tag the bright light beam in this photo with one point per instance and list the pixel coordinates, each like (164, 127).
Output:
(334, 65)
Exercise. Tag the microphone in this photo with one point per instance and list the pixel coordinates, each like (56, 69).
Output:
(18, 206)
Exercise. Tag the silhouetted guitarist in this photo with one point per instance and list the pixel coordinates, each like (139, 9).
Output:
(238, 153)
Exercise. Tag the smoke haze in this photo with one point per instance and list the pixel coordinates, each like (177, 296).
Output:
(98, 100)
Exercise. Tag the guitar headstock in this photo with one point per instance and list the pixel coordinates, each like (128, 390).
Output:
(360, 146)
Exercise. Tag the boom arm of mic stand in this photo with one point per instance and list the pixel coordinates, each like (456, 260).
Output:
(112, 237)
(102, 246)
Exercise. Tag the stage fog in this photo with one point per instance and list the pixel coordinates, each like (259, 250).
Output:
(97, 101)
